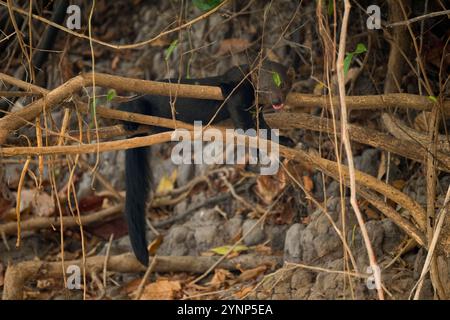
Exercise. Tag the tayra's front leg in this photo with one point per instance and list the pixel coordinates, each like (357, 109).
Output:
(238, 102)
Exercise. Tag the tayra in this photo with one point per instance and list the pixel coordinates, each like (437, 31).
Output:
(273, 81)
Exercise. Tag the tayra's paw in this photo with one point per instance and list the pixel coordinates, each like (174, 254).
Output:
(286, 141)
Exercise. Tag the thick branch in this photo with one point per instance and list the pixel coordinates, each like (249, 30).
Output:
(17, 275)
(54, 97)
(369, 102)
(69, 221)
(404, 147)
(313, 160)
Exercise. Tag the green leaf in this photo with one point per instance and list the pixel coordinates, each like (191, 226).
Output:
(170, 49)
(111, 95)
(348, 59)
(433, 98)
(206, 5)
(93, 112)
(360, 48)
(224, 249)
(276, 78)
(330, 7)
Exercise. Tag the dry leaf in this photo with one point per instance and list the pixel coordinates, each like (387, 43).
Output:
(232, 46)
(167, 183)
(252, 273)
(308, 183)
(40, 202)
(398, 184)
(263, 250)
(268, 187)
(372, 214)
(243, 292)
(154, 245)
(131, 286)
(43, 204)
(161, 290)
(220, 275)
(91, 203)
(224, 249)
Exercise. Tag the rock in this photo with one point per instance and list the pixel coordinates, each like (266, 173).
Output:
(256, 236)
(276, 234)
(206, 237)
(333, 189)
(368, 161)
(301, 283)
(392, 236)
(293, 248)
(233, 226)
(206, 217)
(328, 244)
(307, 240)
(376, 235)
(281, 296)
(177, 242)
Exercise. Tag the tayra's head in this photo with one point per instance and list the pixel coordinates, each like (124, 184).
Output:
(274, 83)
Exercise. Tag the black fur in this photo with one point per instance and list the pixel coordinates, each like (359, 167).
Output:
(240, 99)
(137, 181)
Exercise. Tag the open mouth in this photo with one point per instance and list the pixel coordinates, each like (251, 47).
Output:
(278, 106)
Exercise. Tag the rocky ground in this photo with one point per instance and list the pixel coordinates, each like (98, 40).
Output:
(316, 263)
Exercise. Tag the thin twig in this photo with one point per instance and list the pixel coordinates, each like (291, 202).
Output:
(419, 18)
(119, 47)
(437, 232)
(348, 151)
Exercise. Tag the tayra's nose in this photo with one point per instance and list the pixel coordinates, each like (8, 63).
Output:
(277, 101)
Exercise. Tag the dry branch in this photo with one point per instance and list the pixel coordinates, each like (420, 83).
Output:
(312, 160)
(52, 98)
(400, 130)
(406, 148)
(28, 87)
(68, 221)
(17, 275)
(13, 94)
(116, 46)
(369, 102)
(17, 119)
(399, 43)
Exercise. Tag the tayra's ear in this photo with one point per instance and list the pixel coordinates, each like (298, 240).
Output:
(291, 74)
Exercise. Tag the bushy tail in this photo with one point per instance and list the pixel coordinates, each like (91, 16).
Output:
(137, 181)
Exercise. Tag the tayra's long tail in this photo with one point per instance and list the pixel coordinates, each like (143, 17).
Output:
(137, 181)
